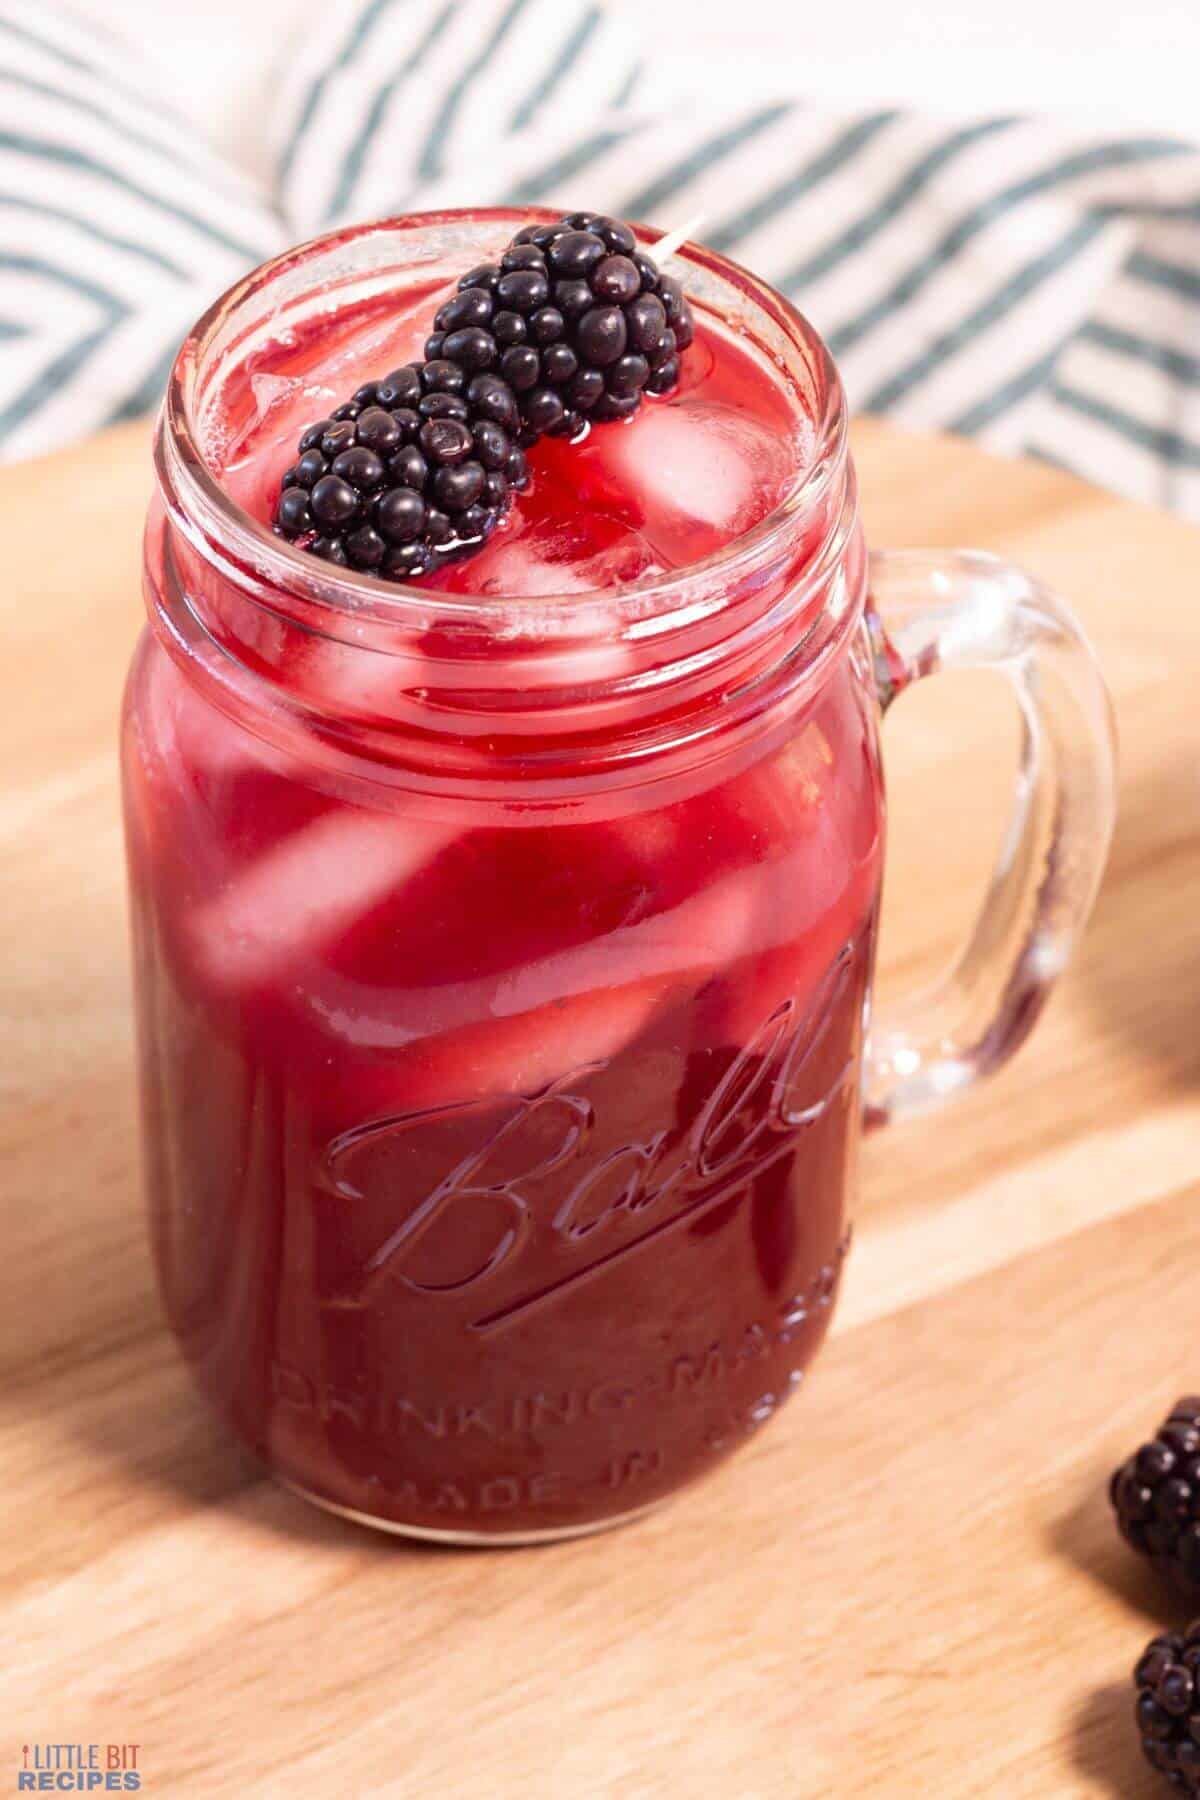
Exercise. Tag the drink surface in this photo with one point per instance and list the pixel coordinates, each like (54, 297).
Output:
(498, 1163)
(691, 471)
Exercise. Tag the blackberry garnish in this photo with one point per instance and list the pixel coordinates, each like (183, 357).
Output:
(1167, 1679)
(574, 324)
(1156, 1497)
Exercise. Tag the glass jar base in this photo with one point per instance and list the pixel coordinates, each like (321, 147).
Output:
(469, 1540)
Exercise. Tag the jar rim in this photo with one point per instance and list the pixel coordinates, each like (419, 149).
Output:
(200, 496)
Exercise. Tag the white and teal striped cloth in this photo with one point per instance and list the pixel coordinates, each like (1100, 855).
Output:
(1016, 280)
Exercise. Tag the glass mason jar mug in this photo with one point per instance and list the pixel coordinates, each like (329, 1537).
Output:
(503, 968)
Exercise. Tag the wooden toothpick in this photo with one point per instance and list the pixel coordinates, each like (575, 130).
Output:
(674, 241)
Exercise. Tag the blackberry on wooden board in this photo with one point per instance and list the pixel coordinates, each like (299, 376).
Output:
(572, 326)
(1167, 1679)
(1156, 1497)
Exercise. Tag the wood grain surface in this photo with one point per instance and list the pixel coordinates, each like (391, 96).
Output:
(910, 1583)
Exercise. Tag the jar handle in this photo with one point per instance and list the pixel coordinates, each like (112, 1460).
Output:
(966, 610)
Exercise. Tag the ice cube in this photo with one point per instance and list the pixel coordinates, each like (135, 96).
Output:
(269, 390)
(681, 946)
(351, 680)
(703, 473)
(669, 953)
(308, 887)
(582, 553)
(573, 554)
(267, 393)
(368, 348)
(518, 1055)
(516, 1033)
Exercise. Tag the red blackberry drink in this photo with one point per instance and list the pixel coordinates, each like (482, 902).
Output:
(505, 831)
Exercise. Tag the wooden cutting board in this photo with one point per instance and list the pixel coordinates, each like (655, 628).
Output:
(910, 1584)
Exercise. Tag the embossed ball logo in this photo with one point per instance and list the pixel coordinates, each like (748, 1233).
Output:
(469, 1230)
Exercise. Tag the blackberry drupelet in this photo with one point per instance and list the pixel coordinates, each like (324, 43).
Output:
(574, 324)
(1156, 1497)
(1167, 1679)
